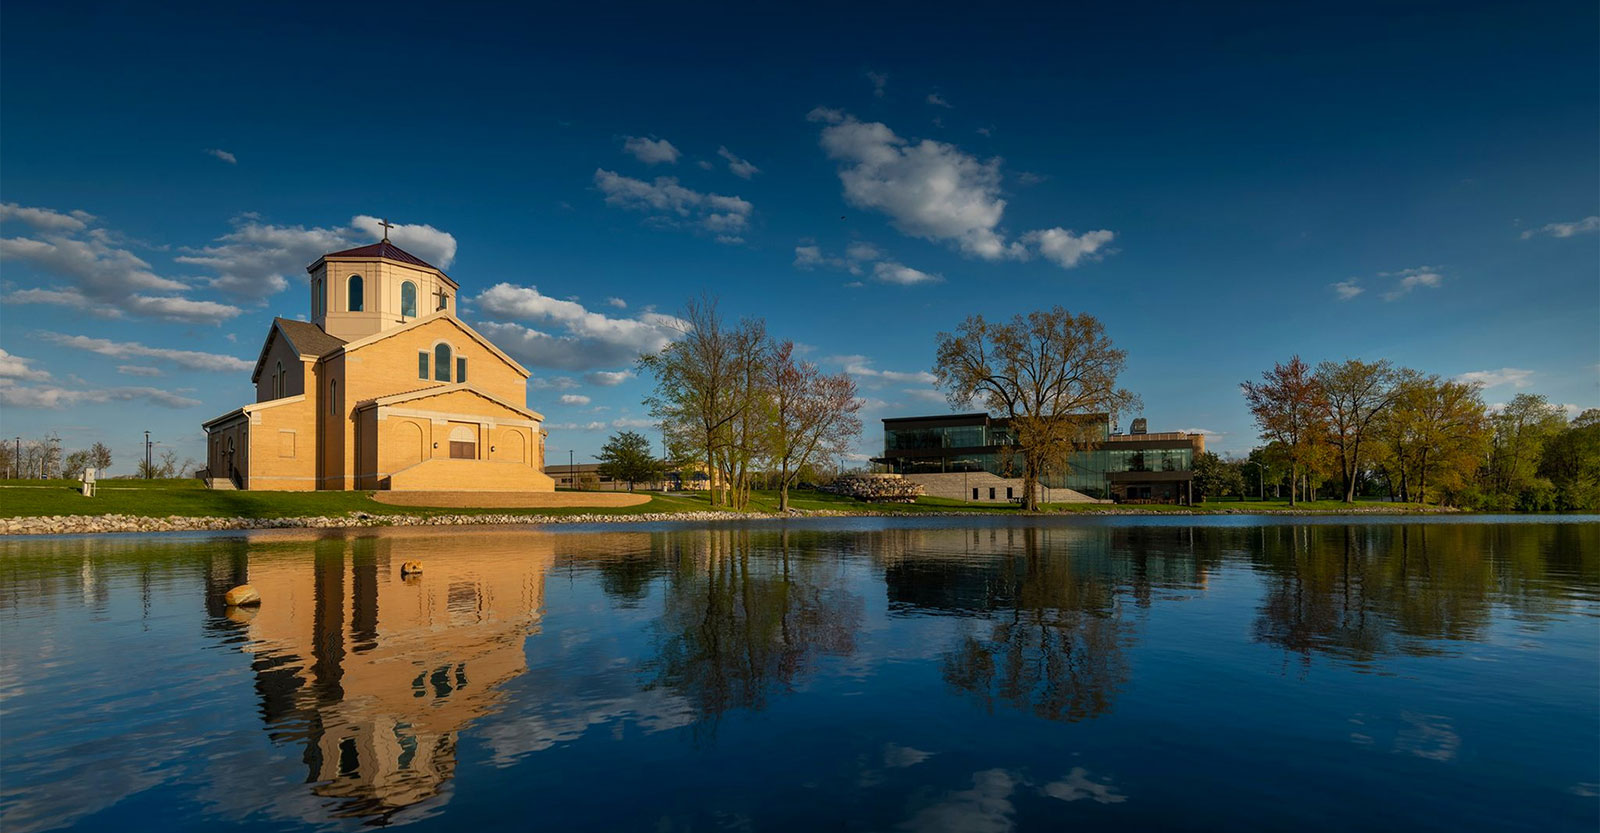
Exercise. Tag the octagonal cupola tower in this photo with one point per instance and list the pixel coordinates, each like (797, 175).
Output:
(363, 291)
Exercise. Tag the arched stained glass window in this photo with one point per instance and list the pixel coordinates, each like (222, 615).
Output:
(408, 300)
(441, 363)
(355, 294)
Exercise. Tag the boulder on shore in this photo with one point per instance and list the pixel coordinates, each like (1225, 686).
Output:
(242, 595)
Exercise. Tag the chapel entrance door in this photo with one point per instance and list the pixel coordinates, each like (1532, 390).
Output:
(463, 441)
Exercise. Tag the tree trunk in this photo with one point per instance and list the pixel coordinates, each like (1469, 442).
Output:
(783, 488)
(1294, 481)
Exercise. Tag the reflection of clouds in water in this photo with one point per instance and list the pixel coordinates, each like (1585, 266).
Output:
(1077, 784)
(896, 756)
(654, 710)
(1584, 789)
(986, 808)
(1429, 736)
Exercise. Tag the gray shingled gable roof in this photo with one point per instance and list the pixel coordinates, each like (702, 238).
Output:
(308, 339)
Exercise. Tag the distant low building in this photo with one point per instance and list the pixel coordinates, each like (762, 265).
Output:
(588, 476)
(974, 457)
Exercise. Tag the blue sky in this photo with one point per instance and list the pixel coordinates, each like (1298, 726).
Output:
(1222, 186)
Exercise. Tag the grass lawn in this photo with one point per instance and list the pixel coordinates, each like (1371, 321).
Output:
(189, 497)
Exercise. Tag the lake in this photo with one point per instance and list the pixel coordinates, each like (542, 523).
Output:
(921, 674)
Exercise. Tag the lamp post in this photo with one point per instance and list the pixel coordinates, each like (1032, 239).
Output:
(1261, 472)
(147, 455)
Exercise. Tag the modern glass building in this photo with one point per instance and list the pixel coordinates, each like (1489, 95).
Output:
(1125, 467)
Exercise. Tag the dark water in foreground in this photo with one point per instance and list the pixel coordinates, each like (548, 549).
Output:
(870, 674)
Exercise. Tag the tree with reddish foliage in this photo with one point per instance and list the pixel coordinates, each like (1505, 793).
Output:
(1288, 405)
(814, 415)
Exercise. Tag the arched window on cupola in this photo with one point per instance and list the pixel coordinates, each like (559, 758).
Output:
(355, 294)
(408, 300)
(441, 362)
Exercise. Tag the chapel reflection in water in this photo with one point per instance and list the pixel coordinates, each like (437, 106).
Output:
(373, 674)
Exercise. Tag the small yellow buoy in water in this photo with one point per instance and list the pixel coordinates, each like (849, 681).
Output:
(411, 568)
(242, 595)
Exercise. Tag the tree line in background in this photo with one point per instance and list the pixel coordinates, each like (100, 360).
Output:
(42, 459)
(746, 405)
(1372, 429)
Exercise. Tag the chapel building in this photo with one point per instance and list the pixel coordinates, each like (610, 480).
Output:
(384, 388)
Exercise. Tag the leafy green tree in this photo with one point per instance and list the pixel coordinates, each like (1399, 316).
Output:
(626, 456)
(76, 462)
(1216, 477)
(1354, 394)
(1432, 438)
(1571, 462)
(1521, 430)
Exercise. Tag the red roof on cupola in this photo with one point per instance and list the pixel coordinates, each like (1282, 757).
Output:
(386, 249)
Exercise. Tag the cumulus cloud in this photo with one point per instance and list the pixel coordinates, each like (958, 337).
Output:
(574, 399)
(617, 302)
(1587, 225)
(608, 378)
(97, 275)
(1078, 784)
(223, 155)
(256, 259)
(50, 397)
(46, 219)
(583, 340)
(138, 370)
(554, 383)
(18, 368)
(1515, 377)
(1422, 276)
(651, 151)
(986, 808)
(187, 359)
(890, 272)
(861, 366)
(738, 167)
(1347, 289)
(1066, 249)
(936, 191)
(672, 204)
(938, 101)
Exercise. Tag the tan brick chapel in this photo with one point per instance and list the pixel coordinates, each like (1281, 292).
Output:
(384, 388)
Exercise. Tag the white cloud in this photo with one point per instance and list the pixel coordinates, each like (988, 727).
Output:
(810, 257)
(138, 370)
(1587, 225)
(223, 155)
(633, 422)
(986, 808)
(857, 365)
(673, 204)
(1425, 276)
(862, 251)
(101, 278)
(51, 397)
(856, 255)
(896, 756)
(617, 302)
(938, 101)
(890, 272)
(926, 395)
(936, 191)
(256, 259)
(651, 151)
(554, 383)
(1066, 249)
(1512, 376)
(17, 367)
(879, 80)
(1029, 177)
(432, 245)
(187, 359)
(608, 378)
(45, 219)
(589, 340)
(738, 167)
(574, 399)
(1347, 289)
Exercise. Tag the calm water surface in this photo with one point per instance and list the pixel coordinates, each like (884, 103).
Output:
(840, 674)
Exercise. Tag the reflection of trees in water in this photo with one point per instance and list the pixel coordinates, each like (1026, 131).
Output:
(737, 624)
(1360, 592)
(1057, 650)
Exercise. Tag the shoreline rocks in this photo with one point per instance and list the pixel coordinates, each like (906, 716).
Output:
(100, 524)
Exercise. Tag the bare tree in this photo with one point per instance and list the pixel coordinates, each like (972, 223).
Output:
(1287, 405)
(1353, 394)
(1039, 372)
(814, 416)
(100, 456)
